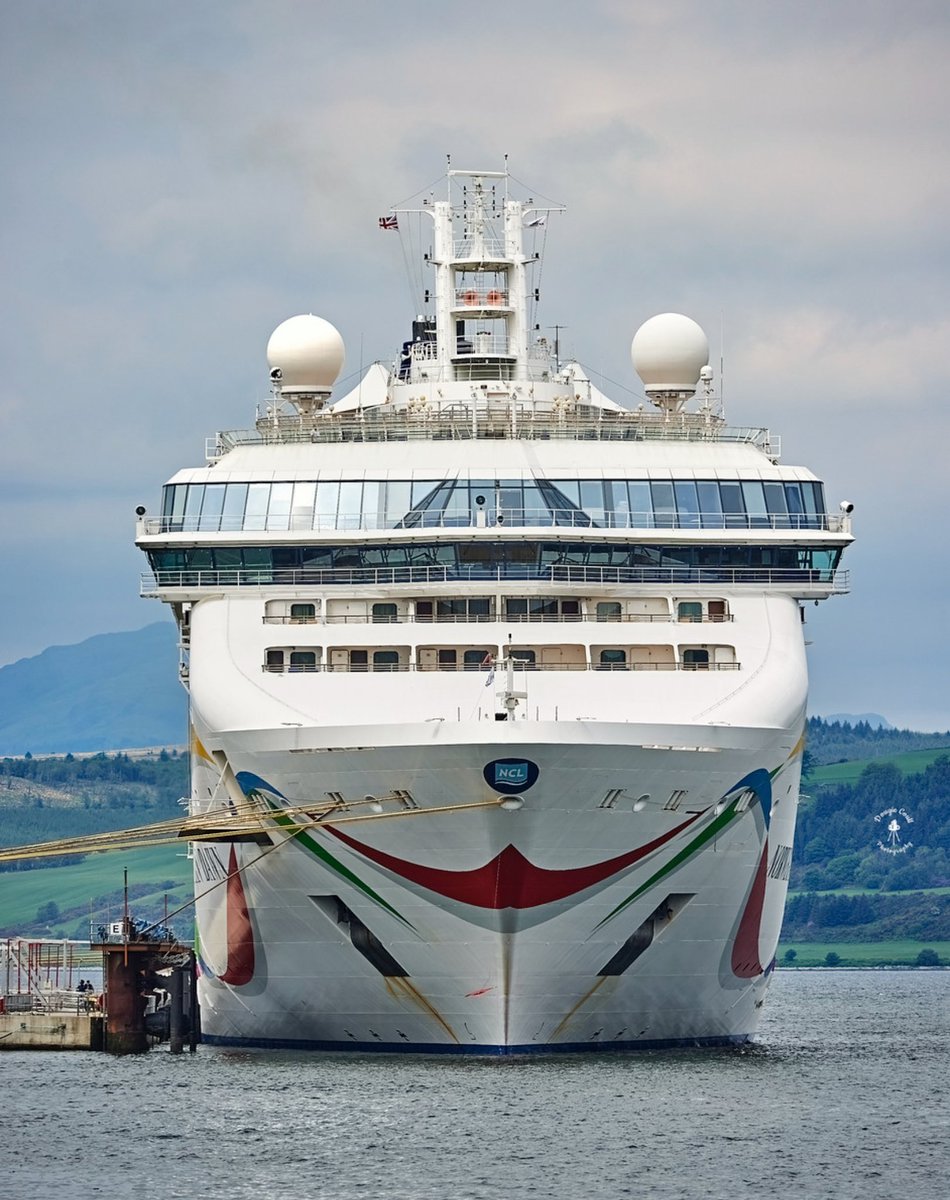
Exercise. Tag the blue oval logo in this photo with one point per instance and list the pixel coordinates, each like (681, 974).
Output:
(511, 775)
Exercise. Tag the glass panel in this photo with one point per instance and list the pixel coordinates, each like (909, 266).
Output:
(447, 660)
(613, 660)
(535, 510)
(168, 499)
(618, 503)
(710, 504)
(324, 512)
(664, 505)
(422, 488)
(732, 504)
(796, 509)
(570, 489)
(473, 659)
(359, 660)
(516, 608)
(302, 612)
(687, 504)
(275, 659)
(641, 504)
(351, 505)
(775, 503)
(278, 514)
(235, 498)
(696, 660)
(255, 514)
(689, 610)
(384, 613)
(608, 610)
(303, 660)
(510, 504)
(754, 502)
(457, 509)
(398, 501)
(211, 509)
(196, 493)
(385, 660)
(484, 489)
(228, 558)
(592, 500)
(373, 516)
(301, 510)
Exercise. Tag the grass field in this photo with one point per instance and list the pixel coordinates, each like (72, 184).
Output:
(862, 954)
(911, 763)
(23, 892)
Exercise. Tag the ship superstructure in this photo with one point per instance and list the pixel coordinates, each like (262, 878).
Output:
(497, 686)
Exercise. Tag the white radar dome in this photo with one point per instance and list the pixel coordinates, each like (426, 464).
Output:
(305, 355)
(669, 352)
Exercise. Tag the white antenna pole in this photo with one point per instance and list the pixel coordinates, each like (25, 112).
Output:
(722, 388)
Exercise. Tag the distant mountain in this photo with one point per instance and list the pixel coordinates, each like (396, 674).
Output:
(875, 720)
(111, 692)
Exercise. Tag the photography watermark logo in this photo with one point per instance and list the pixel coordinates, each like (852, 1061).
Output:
(894, 826)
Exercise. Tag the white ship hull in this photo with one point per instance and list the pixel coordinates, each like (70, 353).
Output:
(485, 930)
(498, 686)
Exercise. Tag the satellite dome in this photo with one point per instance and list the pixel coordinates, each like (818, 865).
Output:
(305, 355)
(669, 352)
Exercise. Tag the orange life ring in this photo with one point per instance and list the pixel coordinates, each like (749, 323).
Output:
(495, 298)
(470, 297)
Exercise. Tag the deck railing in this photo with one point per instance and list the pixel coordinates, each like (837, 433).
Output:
(762, 577)
(433, 668)
(517, 518)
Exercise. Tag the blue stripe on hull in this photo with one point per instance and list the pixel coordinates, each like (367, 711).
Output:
(706, 1043)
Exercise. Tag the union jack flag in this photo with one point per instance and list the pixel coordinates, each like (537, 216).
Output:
(388, 223)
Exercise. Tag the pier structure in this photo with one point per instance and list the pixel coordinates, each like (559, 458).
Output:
(150, 990)
(129, 986)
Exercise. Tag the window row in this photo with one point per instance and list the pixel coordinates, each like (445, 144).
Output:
(481, 609)
(475, 559)
(394, 504)
(299, 660)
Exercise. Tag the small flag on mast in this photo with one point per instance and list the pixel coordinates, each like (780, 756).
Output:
(388, 223)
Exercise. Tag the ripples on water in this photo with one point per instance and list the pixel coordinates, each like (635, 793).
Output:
(843, 1096)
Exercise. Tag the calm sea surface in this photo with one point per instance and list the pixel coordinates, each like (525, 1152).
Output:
(844, 1095)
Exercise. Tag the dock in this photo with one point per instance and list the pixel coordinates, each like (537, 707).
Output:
(144, 992)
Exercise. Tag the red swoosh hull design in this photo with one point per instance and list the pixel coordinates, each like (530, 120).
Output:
(745, 949)
(509, 880)
(240, 968)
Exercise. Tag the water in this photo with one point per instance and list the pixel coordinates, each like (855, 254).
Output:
(843, 1096)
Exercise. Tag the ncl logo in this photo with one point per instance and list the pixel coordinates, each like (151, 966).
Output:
(511, 773)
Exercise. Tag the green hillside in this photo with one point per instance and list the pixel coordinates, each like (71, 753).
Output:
(90, 892)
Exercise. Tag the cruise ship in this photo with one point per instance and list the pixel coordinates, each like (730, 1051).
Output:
(497, 686)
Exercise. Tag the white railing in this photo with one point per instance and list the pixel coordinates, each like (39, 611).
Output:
(483, 343)
(490, 618)
(528, 518)
(370, 668)
(463, 422)
(825, 581)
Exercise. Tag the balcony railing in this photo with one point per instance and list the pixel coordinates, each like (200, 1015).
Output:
(486, 419)
(489, 618)
(388, 668)
(762, 577)
(529, 518)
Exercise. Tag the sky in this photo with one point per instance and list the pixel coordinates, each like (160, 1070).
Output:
(180, 178)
